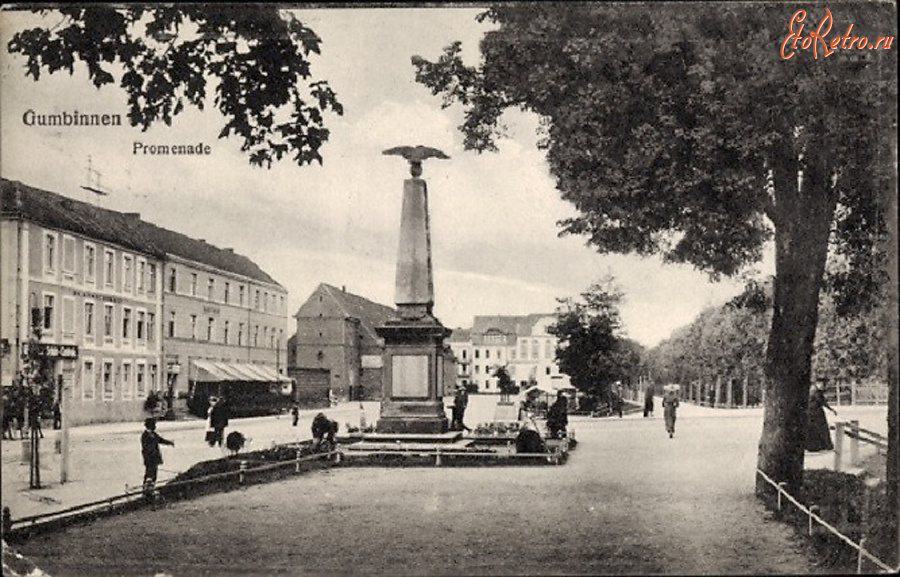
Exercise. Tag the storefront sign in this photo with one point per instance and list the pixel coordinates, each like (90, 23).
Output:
(52, 351)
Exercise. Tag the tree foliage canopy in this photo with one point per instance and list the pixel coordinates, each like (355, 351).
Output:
(661, 123)
(591, 348)
(165, 57)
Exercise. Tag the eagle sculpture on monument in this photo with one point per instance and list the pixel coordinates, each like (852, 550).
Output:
(415, 155)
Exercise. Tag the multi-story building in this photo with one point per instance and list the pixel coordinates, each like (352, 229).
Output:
(336, 352)
(223, 318)
(520, 344)
(113, 328)
(336, 349)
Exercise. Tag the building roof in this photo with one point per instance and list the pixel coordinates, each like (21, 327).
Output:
(519, 325)
(460, 336)
(123, 229)
(369, 313)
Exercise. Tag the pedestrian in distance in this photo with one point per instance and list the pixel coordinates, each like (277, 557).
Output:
(558, 416)
(648, 402)
(460, 402)
(670, 406)
(295, 414)
(217, 421)
(150, 442)
(7, 415)
(818, 437)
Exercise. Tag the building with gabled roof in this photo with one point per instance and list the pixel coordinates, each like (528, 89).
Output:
(335, 348)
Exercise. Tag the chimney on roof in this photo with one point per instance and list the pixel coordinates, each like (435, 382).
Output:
(343, 288)
(133, 214)
(229, 249)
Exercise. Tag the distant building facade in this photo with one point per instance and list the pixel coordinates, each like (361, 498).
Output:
(335, 349)
(521, 344)
(126, 307)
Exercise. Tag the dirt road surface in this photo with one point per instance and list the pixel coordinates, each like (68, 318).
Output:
(630, 501)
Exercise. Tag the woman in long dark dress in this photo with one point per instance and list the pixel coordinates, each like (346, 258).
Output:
(818, 437)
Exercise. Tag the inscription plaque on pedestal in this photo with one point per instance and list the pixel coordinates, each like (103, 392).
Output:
(409, 376)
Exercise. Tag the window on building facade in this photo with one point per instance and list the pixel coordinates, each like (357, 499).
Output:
(193, 284)
(265, 302)
(464, 354)
(173, 280)
(512, 354)
(256, 336)
(68, 255)
(139, 333)
(108, 391)
(126, 323)
(87, 379)
(535, 349)
(487, 353)
(281, 308)
(227, 292)
(50, 252)
(49, 301)
(523, 349)
(68, 317)
(151, 327)
(548, 349)
(89, 320)
(476, 353)
(127, 272)
(172, 325)
(240, 333)
(90, 263)
(194, 327)
(152, 382)
(127, 383)
(211, 289)
(109, 268)
(140, 380)
(477, 369)
(142, 276)
(487, 384)
(241, 295)
(108, 323)
(210, 328)
(151, 278)
(256, 300)
(225, 339)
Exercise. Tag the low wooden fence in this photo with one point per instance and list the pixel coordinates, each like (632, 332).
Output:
(854, 434)
(862, 553)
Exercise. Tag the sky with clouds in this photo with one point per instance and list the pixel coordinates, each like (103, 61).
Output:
(494, 236)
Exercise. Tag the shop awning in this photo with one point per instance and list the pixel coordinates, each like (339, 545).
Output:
(220, 371)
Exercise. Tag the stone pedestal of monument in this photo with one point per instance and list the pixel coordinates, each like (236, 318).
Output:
(413, 377)
(413, 368)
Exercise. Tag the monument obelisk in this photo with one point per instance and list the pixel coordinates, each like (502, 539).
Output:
(414, 339)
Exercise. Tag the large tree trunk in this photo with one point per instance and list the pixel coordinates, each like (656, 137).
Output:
(802, 216)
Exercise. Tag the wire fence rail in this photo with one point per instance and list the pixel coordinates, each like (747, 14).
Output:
(131, 497)
(813, 517)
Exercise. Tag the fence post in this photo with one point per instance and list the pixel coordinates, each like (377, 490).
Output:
(243, 470)
(854, 443)
(437, 458)
(781, 487)
(729, 392)
(297, 462)
(859, 559)
(838, 444)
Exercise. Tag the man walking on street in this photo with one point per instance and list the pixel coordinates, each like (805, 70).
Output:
(150, 442)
